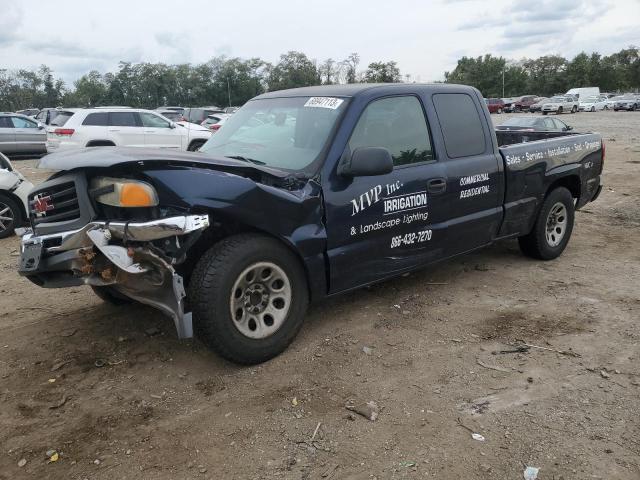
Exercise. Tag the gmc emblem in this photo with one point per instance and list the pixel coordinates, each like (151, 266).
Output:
(42, 204)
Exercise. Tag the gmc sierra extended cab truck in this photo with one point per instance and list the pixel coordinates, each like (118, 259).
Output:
(302, 194)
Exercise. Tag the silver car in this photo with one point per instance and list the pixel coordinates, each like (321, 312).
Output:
(21, 135)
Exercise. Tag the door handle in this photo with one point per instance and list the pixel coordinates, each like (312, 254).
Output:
(436, 185)
(114, 129)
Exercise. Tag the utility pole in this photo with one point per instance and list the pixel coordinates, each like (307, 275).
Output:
(503, 67)
(229, 91)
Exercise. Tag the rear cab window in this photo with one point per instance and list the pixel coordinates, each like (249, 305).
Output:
(397, 124)
(461, 124)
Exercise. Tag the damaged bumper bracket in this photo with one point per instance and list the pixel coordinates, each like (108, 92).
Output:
(65, 259)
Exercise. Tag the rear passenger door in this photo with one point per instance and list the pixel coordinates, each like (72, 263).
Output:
(95, 127)
(125, 129)
(158, 132)
(380, 225)
(473, 169)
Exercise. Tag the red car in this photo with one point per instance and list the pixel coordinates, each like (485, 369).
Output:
(523, 103)
(495, 105)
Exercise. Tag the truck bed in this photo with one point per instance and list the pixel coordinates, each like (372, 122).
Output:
(535, 160)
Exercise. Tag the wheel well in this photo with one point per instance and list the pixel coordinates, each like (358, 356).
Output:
(571, 183)
(217, 232)
(100, 143)
(23, 214)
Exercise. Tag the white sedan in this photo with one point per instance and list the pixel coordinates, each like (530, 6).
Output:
(593, 103)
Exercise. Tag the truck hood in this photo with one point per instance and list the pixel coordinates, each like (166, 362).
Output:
(109, 156)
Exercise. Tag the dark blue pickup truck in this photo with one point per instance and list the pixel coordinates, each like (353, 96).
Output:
(302, 194)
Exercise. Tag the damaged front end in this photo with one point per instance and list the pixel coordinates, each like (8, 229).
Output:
(119, 255)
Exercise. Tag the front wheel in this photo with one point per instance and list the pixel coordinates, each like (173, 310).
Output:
(499, 111)
(593, 109)
(249, 298)
(10, 216)
(552, 230)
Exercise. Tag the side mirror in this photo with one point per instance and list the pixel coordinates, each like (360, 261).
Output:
(568, 128)
(366, 162)
(40, 126)
(172, 125)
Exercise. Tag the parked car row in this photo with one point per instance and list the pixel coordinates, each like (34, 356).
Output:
(584, 99)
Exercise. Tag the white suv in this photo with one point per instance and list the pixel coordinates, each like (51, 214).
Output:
(126, 127)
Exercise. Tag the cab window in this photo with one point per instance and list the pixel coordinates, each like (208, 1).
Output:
(397, 124)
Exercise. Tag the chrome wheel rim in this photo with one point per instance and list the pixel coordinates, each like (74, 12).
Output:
(6, 217)
(556, 224)
(260, 300)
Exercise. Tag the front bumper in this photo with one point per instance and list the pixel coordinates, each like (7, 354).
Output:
(118, 255)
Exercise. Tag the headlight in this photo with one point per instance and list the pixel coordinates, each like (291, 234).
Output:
(122, 192)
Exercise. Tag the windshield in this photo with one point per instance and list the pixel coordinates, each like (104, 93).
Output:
(591, 99)
(558, 99)
(284, 133)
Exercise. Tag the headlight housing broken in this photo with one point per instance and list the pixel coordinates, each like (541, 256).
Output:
(123, 192)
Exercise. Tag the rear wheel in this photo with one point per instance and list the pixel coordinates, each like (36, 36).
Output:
(593, 109)
(559, 111)
(552, 230)
(499, 111)
(249, 298)
(10, 216)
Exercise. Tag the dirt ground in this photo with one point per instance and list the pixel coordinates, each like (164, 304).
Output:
(118, 399)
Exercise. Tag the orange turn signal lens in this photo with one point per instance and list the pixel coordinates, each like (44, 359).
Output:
(137, 195)
(124, 192)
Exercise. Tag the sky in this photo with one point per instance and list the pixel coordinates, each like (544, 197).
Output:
(424, 37)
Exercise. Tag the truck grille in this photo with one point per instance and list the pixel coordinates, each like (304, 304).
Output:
(56, 203)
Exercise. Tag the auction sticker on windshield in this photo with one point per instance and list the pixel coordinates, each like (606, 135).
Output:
(324, 102)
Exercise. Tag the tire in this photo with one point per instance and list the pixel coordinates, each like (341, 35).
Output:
(557, 211)
(544, 113)
(593, 109)
(231, 302)
(195, 145)
(574, 109)
(499, 111)
(10, 216)
(111, 295)
(606, 107)
(559, 111)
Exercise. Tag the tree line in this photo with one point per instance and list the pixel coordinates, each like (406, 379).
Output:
(221, 81)
(226, 81)
(550, 74)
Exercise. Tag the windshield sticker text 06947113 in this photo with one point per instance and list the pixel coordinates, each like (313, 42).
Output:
(324, 102)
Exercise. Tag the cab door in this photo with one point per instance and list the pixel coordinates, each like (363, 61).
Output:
(473, 169)
(159, 133)
(378, 226)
